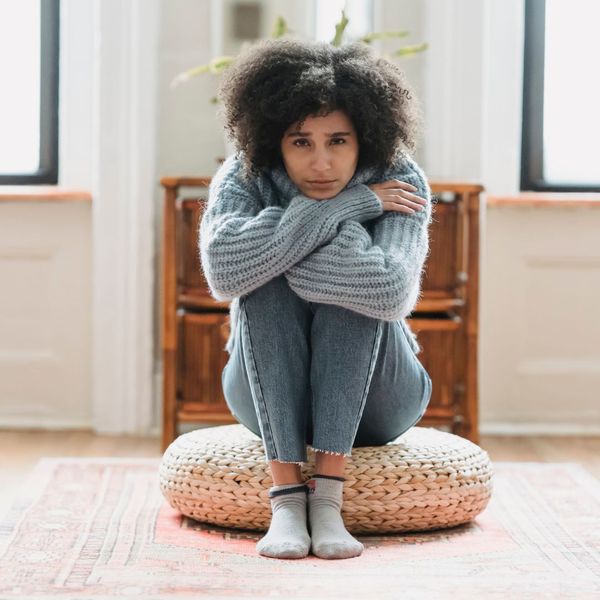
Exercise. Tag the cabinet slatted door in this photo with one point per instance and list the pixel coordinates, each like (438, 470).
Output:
(195, 326)
(439, 336)
(199, 380)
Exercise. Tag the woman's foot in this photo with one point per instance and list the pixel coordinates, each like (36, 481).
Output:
(330, 538)
(288, 536)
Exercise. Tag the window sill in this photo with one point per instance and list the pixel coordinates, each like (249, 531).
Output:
(531, 199)
(43, 193)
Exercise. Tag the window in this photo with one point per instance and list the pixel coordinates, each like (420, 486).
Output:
(29, 100)
(561, 95)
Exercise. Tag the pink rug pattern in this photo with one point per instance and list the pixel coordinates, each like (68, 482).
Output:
(100, 528)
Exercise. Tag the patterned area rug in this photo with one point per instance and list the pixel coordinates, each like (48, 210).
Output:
(100, 528)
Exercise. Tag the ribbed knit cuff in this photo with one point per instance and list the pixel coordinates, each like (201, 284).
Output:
(284, 490)
(358, 203)
(329, 477)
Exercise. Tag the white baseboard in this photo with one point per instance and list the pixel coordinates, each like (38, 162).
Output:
(17, 422)
(534, 429)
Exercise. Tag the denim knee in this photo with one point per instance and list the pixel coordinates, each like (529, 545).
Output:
(275, 290)
(276, 305)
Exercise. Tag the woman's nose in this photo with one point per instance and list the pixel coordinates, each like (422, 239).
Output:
(321, 160)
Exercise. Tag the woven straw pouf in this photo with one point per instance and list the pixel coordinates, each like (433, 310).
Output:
(424, 479)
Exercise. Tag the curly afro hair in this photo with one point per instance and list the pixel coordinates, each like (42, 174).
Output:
(277, 82)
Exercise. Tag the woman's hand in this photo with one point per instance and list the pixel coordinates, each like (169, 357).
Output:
(396, 195)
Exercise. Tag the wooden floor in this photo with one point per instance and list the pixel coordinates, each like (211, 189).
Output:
(20, 451)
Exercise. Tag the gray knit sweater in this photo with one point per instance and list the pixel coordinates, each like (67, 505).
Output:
(345, 251)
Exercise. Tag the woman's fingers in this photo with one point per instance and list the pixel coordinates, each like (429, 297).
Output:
(393, 200)
(398, 191)
(397, 183)
(412, 197)
(397, 195)
(387, 206)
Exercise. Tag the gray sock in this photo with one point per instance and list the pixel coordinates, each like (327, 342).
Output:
(330, 538)
(287, 536)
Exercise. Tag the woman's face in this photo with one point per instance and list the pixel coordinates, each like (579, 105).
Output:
(324, 149)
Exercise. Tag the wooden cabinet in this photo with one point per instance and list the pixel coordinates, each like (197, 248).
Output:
(195, 327)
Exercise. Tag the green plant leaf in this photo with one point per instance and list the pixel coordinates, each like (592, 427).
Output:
(215, 66)
(280, 28)
(382, 35)
(339, 30)
(410, 50)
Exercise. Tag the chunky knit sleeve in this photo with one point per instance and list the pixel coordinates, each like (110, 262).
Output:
(378, 275)
(243, 245)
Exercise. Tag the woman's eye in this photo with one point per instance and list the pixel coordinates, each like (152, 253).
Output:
(333, 140)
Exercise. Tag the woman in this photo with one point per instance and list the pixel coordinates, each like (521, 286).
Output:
(316, 229)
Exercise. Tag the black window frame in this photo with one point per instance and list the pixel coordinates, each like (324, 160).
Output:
(49, 77)
(532, 146)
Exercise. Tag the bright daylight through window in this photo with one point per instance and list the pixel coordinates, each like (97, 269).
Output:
(20, 98)
(571, 94)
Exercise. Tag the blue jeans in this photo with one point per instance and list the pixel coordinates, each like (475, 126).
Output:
(311, 373)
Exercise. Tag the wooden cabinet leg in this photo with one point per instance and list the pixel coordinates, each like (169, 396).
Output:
(169, 432)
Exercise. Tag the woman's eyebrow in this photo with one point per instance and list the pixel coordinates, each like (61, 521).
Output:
(308, 133)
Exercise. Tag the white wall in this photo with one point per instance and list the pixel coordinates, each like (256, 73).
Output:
(46, 264)
(45, 324)
(540, 331)
(88, 270)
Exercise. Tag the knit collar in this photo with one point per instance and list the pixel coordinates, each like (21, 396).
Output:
(287, 189)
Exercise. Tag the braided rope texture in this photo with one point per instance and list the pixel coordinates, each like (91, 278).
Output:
(424, 479)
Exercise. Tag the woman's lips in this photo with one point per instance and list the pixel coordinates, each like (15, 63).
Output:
(321, 183)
